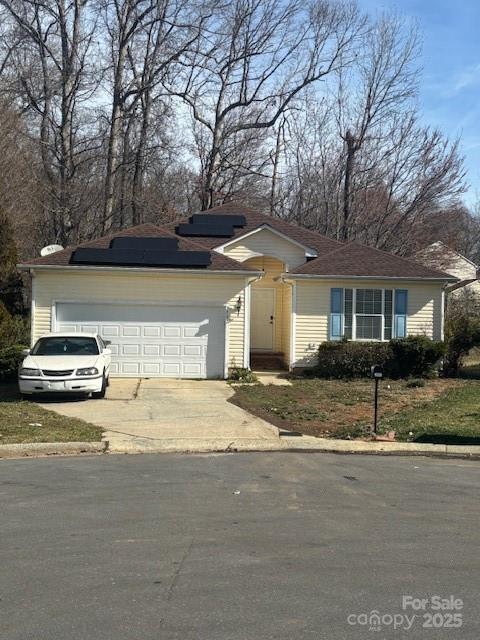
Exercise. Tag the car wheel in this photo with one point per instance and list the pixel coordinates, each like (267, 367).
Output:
(102, 392)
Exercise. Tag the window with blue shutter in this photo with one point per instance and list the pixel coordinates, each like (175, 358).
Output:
(401, 305)
(336, 314)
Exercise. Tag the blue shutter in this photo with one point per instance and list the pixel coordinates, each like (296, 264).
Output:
(401, 306)
(336, 314)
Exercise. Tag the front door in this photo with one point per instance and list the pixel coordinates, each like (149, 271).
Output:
(262, 319)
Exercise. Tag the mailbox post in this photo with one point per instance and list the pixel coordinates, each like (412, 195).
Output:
(377, 375)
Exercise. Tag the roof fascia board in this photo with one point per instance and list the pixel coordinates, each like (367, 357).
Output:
(179, 272)
(309, 276)
(309, 252)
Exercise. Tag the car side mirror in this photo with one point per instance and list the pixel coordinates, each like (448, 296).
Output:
(25, 352)
(107, 352)
(107, 343)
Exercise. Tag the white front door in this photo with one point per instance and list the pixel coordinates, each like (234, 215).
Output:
(153, 341)
(262, 318)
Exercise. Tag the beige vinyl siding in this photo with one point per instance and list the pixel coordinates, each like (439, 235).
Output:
(152, 288)
(267, 243)
(313, 310)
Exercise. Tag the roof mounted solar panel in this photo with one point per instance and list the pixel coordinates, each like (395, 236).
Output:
(213, 218)
(107, 256)
(138, 258)
(145, 244)
(177, 258)
(205, 230)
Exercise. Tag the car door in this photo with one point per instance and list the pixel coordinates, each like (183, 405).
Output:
(106, 356)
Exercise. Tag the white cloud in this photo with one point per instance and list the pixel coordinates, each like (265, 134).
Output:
(467, 78)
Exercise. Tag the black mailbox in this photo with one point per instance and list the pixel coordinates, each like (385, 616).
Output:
(377, 371)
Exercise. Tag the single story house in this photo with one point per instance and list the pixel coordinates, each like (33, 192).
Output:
(200, 297)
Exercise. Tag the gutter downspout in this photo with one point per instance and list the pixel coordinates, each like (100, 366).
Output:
(32, 306)
(293, 319)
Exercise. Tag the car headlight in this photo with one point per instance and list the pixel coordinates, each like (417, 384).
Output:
(29, 373)
(89, 371)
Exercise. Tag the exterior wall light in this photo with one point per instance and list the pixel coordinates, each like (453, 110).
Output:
(238, 306)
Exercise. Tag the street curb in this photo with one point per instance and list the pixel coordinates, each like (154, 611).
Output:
(34, 449)
(306, 444)
(379, 448)
(293, 444)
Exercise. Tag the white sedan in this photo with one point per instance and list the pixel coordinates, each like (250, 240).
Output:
(66, 363)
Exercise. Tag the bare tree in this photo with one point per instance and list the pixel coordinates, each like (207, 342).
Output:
(50, 61)
(254, 58)
(385, 80)
(358, 164)
(146, 39)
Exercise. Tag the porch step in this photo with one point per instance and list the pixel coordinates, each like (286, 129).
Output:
(267, 362)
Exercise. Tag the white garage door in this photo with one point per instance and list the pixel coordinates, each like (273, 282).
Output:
(166, 341)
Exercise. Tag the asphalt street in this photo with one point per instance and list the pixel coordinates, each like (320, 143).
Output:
(252, 546)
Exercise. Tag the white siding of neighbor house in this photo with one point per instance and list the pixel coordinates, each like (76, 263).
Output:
(313, 310)
(438, 256)
(152, 288)
(267, 243)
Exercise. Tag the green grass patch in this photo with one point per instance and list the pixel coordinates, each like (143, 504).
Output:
(24, 421)
(439, 410)
(452, 417)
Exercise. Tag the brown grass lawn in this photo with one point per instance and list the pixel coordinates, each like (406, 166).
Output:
(334, 408)
(24, 421)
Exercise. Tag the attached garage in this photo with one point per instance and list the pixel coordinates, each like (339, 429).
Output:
(170, 308)
(177, 341)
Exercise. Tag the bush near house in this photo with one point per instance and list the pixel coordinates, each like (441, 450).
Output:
(401, 358)
(10, 359)
(462, 334)
(14, 337)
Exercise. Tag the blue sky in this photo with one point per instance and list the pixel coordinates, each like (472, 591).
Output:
(450, 86)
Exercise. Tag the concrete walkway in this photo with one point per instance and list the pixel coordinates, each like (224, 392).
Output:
(170, 415)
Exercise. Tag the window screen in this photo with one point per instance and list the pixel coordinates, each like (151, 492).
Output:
(369, 328)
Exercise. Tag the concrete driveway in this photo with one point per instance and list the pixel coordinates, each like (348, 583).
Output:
(170, 415)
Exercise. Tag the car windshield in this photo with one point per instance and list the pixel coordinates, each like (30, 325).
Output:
(66, 346)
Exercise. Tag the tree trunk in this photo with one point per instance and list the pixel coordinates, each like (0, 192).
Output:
(112, 162)
(347, 186)
(139, 172)
(114, 140)
(276, 160)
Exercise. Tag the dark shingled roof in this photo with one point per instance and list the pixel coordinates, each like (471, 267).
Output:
(334, 258)
(255, 219)
(354, 259)
(219, 262)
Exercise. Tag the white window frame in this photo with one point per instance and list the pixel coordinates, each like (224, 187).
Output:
(368, 315)
(381, 315)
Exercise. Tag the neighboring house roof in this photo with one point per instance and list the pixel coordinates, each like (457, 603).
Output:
(355, 260)
(439, 256)
(219, 262)
(255, 219)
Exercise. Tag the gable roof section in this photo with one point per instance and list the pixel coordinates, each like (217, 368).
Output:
(219, 262)
(440, 256)
(309, 251)
(356, 261)
(256, 220)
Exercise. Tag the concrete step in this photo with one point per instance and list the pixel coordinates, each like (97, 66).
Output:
(267, 362)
